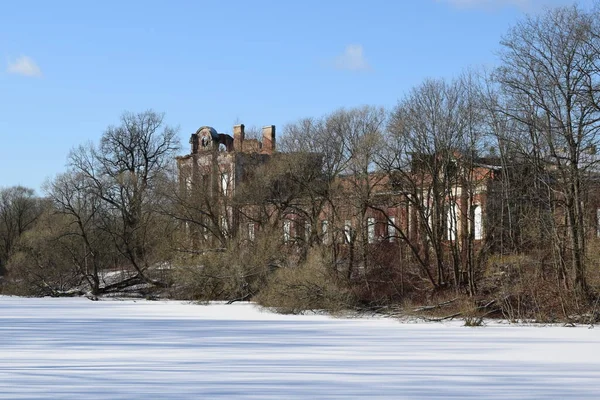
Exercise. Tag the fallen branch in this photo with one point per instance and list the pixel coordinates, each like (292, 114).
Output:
(443, 318)
(440, 305)
(243, 298)
(483, 307)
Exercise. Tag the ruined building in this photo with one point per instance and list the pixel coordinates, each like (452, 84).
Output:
(219, 163)
(215, 167)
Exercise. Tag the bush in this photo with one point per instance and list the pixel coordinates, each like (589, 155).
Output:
(312, 285)
(528, 287)
(39, 266)
(236, 273)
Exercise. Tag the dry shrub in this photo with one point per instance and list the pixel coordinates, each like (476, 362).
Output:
(39, 267)
(236, 273)
(526, 287)
(390, 280)
(378, 287)
(593, 264)
(208, 277)
(312, 285)
(473, 321)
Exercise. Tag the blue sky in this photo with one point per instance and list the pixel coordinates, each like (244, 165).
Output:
(69, 69)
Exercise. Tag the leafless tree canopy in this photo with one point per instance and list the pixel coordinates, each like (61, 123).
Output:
(19, 209)
(550, 80)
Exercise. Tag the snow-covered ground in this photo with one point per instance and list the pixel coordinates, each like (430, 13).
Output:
(78, 349)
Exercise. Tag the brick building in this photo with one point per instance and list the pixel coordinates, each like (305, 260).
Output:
(219, 163)
(213, 170)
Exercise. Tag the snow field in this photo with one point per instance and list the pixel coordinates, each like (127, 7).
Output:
(74, 348)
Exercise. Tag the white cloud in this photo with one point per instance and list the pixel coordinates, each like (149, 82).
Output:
(25, 66)
(352, 59)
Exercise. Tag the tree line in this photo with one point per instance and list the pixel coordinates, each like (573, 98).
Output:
(118, 218)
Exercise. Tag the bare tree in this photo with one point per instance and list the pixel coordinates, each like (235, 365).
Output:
(361, 133)
(549, 75)
(347, 143)
(19, 209)
(40, 265)
(317, 136)
(197, 208)
(434, 136)
(123, 172)
(84, 236)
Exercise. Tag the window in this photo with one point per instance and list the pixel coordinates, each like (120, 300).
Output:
(225, 183)
(477, 222)
(371, 230)
(223, 225)
(204, 182)
(410, 218)
(452, 223)
(325, 231)
(307, 231)
(348, 231)
(251, 235)
(287, 230)
(391, 229)
(427, 210)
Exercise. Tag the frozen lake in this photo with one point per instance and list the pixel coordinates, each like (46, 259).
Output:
(79, 349)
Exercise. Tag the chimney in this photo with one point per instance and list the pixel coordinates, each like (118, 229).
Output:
(194, 143)
(268, 139)
(238, 137)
